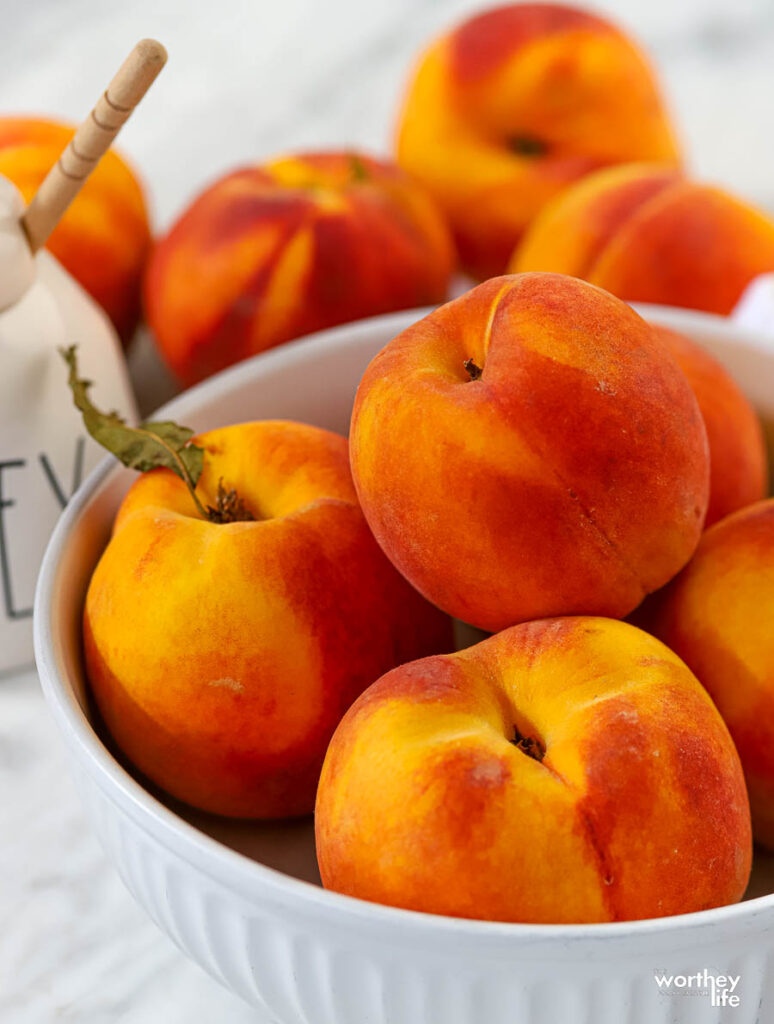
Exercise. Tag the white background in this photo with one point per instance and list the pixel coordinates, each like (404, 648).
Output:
(245, 81)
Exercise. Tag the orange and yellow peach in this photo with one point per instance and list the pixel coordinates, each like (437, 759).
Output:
(647, 234)
(514, 105)
(565, 770)
(717, 616)
(223, 654)
(103, 239)
(305, 242)
(531, 449)
(738, 464)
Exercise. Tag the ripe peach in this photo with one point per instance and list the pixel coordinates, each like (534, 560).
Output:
(222, 655)
(647, 234)
(717, 616)
(306, 242)
(531, 449)
(513, 106)
(103, 239)
(565, 770)
(738, 465)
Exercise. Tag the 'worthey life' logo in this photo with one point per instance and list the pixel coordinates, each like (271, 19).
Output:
(720, 988)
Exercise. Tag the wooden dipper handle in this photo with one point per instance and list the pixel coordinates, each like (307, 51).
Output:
(92, 140)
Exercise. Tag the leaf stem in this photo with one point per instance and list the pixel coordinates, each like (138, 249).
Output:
(183, 473)
(153, 445)
(358, 169)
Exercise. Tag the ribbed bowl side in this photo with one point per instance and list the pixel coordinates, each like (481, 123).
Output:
(325, 975)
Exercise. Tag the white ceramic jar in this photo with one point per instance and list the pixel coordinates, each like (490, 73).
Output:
(44, 449)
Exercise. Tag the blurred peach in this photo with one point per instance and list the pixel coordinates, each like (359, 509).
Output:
(515, 104)
(738, 465)
(305, 242)
(104, 238)
(647, 234)
(716, 615)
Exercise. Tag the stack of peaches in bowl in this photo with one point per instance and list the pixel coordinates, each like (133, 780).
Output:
(510, 642)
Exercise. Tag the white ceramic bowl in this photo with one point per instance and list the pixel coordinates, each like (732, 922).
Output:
(244, 900)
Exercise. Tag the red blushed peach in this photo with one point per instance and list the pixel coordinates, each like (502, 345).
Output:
(269, 253)
(647, 234)
(717, 616)
(531, 449)
(222, 655)
(514, 105)
(565, 770)
(103, 239)
(738, 465)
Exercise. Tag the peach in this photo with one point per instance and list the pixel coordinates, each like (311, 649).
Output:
(738, 464)
(269, 253)
(531, 449)
(514, 105)
(647, 234)
(717, 616)
(222, 655)
(565, 770)
(104, 238)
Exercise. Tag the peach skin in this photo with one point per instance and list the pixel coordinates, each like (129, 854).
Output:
(738, 464)
(270, 253)
(104, 238)
(531, 449)
(564, 771)
(647, 234)
(717, 616)
(514, 105)
(223, 654)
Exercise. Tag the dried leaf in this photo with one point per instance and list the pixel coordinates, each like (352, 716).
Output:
(145, 447)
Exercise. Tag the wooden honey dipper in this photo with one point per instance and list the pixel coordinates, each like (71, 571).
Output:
(92, 140)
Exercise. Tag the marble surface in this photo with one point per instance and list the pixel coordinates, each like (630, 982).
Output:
(246, 79)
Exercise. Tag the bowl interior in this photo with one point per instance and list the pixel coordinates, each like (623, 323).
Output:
(314, 381)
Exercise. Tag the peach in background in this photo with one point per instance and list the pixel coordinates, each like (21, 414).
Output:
(515, 104)
(738, 462)
(717, 616)
(104, 238)
(647, 234)
(305, 242)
